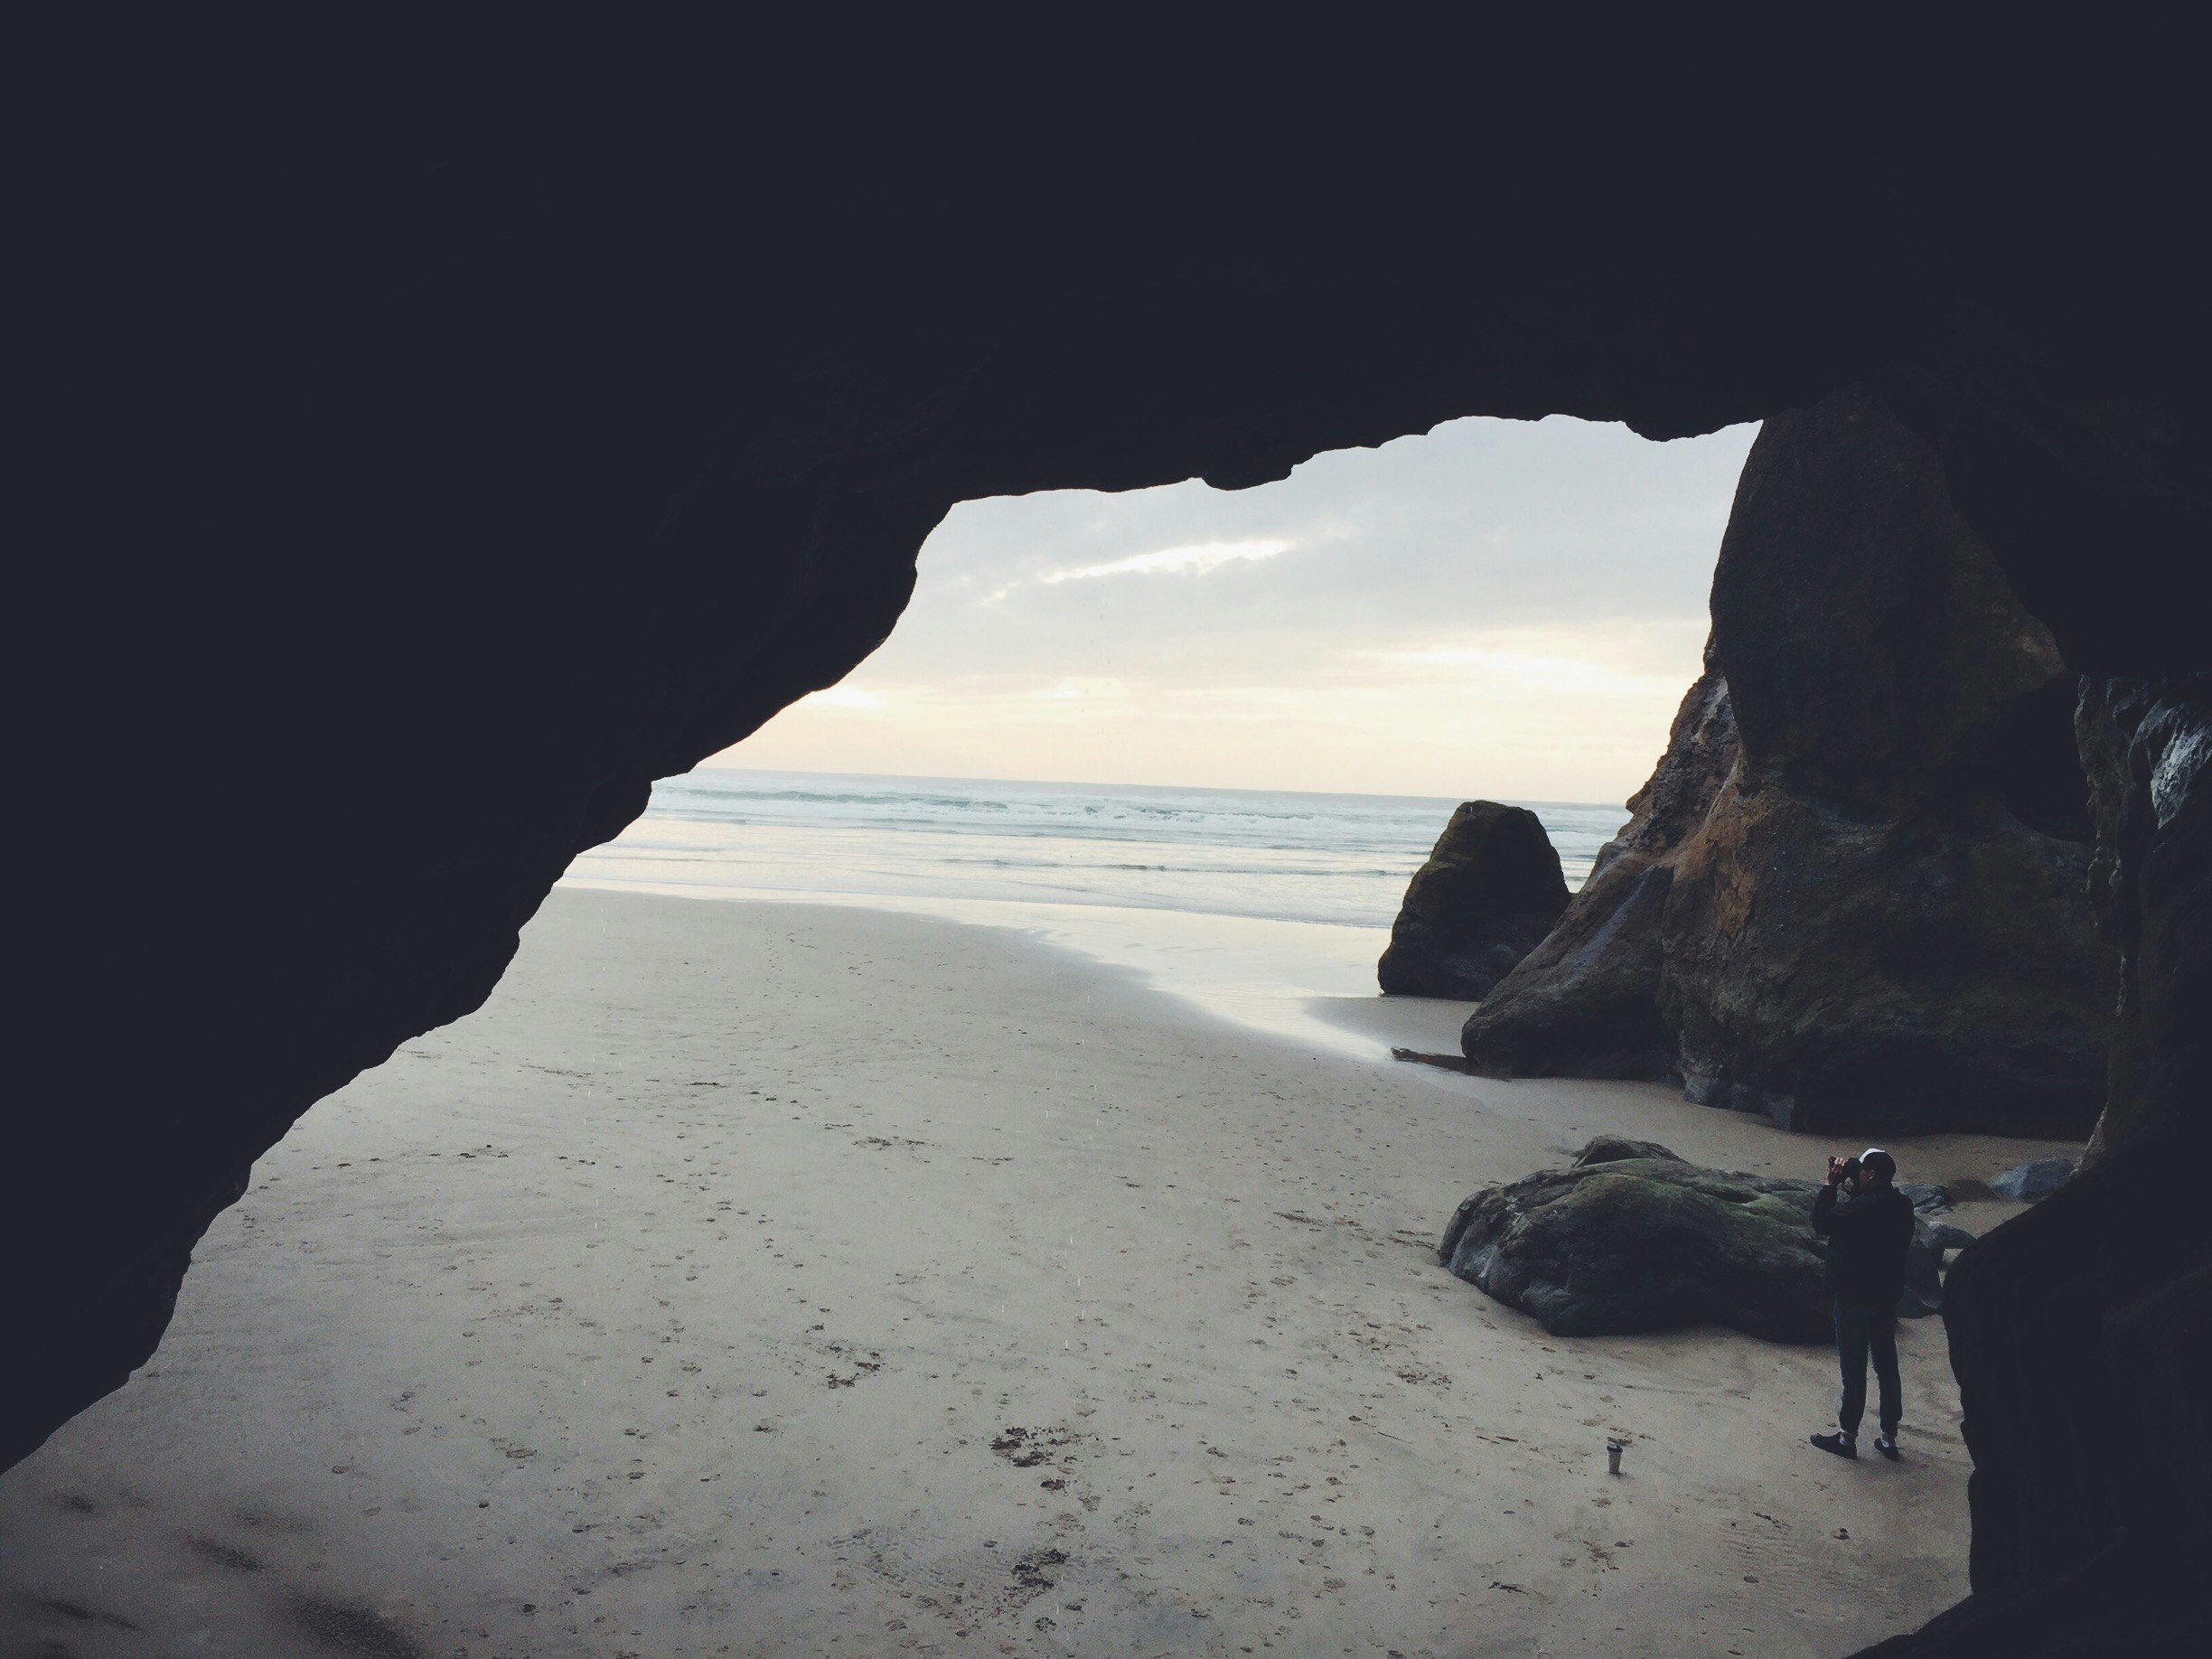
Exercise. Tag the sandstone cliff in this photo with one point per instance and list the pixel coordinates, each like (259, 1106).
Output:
(1852, 895)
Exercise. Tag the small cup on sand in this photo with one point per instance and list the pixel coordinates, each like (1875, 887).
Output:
(1613, 1452)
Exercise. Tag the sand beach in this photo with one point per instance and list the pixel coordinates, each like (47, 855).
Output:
(784, 1278)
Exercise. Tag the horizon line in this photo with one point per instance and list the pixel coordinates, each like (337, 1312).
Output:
(712, 765)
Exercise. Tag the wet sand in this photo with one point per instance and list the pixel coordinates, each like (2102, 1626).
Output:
(773, 1278)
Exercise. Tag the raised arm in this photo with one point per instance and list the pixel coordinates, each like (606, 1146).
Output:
(1824, 1210)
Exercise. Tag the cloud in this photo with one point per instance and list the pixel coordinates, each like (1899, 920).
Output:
(1196, 559)
(857, 697)
(1076, 690)
(1629, 660)
(1506, 608)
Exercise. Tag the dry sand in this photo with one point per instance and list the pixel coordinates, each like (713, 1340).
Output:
(759, 1279)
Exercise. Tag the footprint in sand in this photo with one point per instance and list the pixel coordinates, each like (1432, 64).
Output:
(1025, 1449)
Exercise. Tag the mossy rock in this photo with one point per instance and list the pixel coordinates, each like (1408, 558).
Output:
(1648, 1244)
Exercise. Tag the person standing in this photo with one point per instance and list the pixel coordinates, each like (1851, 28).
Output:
(1868, 1234)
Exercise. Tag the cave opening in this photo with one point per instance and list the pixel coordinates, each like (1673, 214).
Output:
(542, 1279)
(356, 403)
(1208, 733)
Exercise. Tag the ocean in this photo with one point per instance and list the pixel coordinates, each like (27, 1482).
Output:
(1250, 902)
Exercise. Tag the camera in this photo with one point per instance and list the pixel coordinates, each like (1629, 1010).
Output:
(1847, 1168)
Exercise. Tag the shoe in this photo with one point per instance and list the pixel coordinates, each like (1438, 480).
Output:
(1841, 1444)
(1886, 1447)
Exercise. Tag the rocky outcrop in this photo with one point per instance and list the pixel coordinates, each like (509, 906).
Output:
(1851, 896)
(1614, 1148)
(2097, 1304)
(2147, 745)
(2094, 1305)
(1488, 894)
(1586, 1001)
(2033, 1181)
(1635, 1239)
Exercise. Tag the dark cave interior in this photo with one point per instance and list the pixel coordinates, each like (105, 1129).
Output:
(351, 442)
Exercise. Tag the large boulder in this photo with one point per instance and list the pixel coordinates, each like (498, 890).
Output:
(1854, 893)
(1644, 1241)
(2033, 1181)
(1487, 895)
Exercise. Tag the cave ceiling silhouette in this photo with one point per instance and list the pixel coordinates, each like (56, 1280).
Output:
(427, 475)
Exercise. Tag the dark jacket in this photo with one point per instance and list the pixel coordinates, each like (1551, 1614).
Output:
(1868, 1236)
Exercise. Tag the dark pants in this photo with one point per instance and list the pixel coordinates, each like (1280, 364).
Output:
(1860, 1331)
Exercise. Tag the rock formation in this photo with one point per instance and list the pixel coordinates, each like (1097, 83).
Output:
(1852, 895)
(2146, 746)
(1488, 894)
(1587, 1001)
(1614, 1148)
(2033, 1181)
(1635, 1239)
(416, 478)
(2097, 1303)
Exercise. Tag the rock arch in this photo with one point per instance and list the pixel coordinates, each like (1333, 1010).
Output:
(419, 494)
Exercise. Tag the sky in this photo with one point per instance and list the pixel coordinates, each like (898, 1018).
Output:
(1497, 608)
